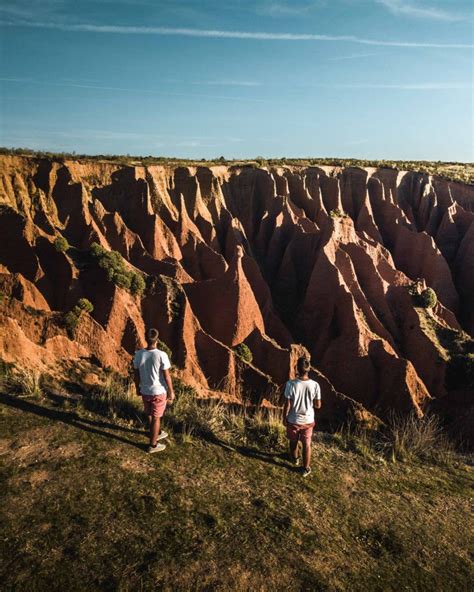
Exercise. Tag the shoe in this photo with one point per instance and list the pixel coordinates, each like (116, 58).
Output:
(295, 461)
(306, 472)
(157, 448)
(162, 435)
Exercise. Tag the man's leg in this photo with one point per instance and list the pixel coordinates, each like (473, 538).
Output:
(306, 453)
(154, 430)
(294, 449)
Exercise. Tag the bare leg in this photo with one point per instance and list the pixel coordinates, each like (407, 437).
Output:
(306, 454)
(294, 450)
(154, 430)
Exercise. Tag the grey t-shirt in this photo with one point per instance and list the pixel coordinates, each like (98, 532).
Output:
(150, 363)
(302, 394)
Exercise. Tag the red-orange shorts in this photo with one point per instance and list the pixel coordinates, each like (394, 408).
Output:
(154, 405)
(299, 432)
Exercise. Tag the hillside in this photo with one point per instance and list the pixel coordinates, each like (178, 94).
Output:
(286, 259)
(83, 508)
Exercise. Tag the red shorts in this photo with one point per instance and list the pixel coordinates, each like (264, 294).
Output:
(154, 405)
(299, 432)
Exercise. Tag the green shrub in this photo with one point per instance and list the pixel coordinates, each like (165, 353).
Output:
(85, 305)
(71, 318)
(162, 345)
(337, 213)
(60, 244)
(428, 298)
(244, 353)
(138, 284)
(114, 265)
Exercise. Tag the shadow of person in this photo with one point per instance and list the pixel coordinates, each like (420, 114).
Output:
(61, 399)
(68, 418)
(276, 459)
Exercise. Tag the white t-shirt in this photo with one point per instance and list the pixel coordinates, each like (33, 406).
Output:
(150, 363)
(302, 393)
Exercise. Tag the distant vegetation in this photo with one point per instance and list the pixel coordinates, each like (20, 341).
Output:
(337, 214)
(244, 353)
(114, 265)
(428, 298)
(60, 244)
(163, 347)
(454, 171)
(71, 318)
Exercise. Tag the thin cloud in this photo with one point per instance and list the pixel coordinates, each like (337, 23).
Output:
(283, 9)
(422, 86)
(133, 90)
(415, 86)
(400, 7)
(353, 56)
(227, 83)
(221, 34)
(356, 142)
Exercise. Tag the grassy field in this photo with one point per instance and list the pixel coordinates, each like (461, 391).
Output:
(454, 171)
(85, 508)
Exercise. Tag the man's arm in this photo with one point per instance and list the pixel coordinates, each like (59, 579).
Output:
(317, 399)
(169, 384)
(286, 410)
(136, 380)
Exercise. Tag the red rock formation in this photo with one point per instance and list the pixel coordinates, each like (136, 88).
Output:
(275, 257)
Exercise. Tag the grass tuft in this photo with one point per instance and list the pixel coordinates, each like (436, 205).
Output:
(116, 398)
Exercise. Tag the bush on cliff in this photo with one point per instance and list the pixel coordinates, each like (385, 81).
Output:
(60, 244)
(428, 298)
(162, 345)
(113, 264)
(244, 353)
(71, 318)
(337, 213)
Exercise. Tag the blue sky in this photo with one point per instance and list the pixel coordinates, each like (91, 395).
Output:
(384, 79)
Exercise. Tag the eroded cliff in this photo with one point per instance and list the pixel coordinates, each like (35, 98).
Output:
(284, 260)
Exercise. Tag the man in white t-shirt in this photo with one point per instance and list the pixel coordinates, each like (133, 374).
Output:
(154, 385)
(302, 397)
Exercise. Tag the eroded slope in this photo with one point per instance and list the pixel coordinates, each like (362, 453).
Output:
(282, 259)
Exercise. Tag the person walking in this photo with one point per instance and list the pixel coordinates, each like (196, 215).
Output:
(302, 397)
(154, 385)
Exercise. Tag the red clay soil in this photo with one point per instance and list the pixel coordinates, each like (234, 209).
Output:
(288, 260)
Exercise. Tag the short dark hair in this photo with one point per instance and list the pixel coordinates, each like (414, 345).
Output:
(303, 365)
(152, 335)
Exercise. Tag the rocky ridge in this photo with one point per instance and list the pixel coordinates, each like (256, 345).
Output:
(286, 260)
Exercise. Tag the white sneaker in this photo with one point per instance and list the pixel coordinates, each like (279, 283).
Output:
(157, 448)
(162, 435)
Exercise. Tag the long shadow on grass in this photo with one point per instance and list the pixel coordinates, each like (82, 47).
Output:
(66, 418)
(276, 459)
(267, 457)
(61, 400)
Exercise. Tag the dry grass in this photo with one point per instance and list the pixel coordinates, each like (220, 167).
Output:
(116, 398)
(87, 509)
(404, 438)
(22, 382)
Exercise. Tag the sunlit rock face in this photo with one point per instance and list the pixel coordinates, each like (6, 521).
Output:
(291, 261)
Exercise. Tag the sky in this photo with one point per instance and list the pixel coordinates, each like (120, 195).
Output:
(377, 79)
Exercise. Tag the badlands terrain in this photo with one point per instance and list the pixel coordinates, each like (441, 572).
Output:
(284, 260)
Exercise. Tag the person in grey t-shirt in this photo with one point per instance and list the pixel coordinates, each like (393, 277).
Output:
(154, 385)
(302, 397)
